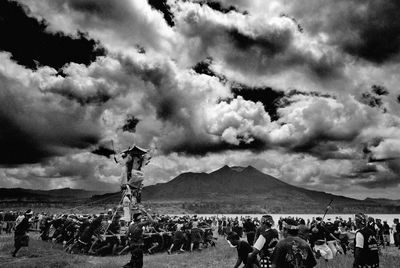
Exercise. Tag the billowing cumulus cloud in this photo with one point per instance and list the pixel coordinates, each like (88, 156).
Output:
(305, 92)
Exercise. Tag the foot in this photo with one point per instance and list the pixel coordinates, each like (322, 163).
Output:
(149, 251)
(182, 250)
(169, 252)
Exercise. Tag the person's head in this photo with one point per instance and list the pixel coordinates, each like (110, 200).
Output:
(28, 213)
(290, 227)
(361, 220)
(137, 217)
(267, 221)
(233, 239)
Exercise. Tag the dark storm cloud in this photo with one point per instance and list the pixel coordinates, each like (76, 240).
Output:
(204, 67)
(378, 31)
(163, 7)
(382, 180)
(18, 145)
(35, 128)
(218, 6)
(30, 44)
(324, 150)
(100, 96)
(68, 171)
(270, 45)
(267, 96)
(274, 52)
(202, 148)
(103, 151)
(379, 90)
(367, 29)
(130, 124)
(373, 98)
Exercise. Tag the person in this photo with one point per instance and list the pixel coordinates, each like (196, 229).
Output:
(134, 159)
(21, 239)
(366, 252)
(386, 233)
(178, 239)
(265, 242)
(292, 251)
(396, 232)
(243, 249)
(318, 240)
(250, 230)
(195, 234)
(135, 237)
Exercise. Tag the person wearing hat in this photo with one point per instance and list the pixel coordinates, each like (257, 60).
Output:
(135, 237)
(292, 251)
(366, 251)
(265, 242)
(21, 239)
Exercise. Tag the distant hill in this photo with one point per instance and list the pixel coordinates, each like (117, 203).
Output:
(28, 195)
(226, 190)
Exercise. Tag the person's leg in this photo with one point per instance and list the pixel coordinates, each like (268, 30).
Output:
(137, 258)
(154, 246)
(332, 247)
(17, 246)
(170, 248)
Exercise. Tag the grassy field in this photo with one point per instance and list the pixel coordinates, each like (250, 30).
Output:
(42, 254)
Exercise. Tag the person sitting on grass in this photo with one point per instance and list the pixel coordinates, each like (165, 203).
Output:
(243, 249)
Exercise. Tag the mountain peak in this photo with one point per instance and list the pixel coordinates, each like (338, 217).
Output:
(227, 168)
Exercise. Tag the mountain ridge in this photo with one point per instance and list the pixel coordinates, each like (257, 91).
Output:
(225, 190)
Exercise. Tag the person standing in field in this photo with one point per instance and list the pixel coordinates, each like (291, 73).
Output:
(386, 233)
(21, 239)
(266, 241)
(250, 230)
(136, 240)
(366, 251)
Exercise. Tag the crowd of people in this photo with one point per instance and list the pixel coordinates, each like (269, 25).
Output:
(298, 243)
(259, 241)
(108, 234)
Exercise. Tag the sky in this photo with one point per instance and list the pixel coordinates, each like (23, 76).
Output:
(306, 91)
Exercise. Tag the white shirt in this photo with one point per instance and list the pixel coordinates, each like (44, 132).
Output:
(359, 240)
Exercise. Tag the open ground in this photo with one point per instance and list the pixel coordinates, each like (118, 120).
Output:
(45, 254)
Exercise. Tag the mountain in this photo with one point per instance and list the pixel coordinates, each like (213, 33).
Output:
(241, 190)
(246, 189)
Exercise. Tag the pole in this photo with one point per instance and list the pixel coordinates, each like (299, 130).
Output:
(327, 208)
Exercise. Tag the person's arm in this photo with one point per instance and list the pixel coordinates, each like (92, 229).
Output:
(148, 215)
(311, 261)
(258, 245)
(358, 249)
(275, 256)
